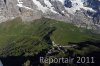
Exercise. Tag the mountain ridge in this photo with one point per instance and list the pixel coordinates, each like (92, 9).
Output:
(84, 13)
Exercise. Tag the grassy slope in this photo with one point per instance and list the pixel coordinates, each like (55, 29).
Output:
(17, 37)
(69, 33)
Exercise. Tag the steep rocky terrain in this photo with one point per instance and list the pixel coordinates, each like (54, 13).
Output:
(84, 13)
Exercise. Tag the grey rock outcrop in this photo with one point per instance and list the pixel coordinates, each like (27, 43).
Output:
(83, 13)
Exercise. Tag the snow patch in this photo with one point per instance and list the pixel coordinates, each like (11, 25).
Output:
(49, 5)
(20, 4)
(40, 6)
(78, 5)
(44, 9)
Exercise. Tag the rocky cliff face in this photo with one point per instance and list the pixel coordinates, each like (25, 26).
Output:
(84, 13)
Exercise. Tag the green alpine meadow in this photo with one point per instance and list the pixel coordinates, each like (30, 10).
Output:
(38, 37)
